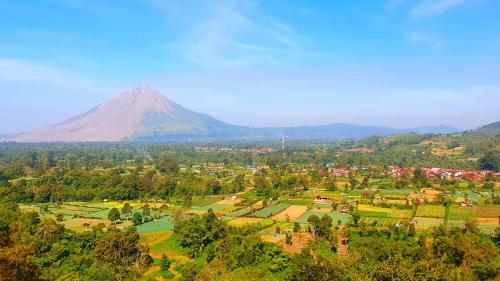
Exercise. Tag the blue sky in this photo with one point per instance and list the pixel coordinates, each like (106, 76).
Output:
(400, 63)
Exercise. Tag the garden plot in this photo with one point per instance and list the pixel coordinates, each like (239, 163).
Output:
(380, 221)
(369, 208)
(161, 224)
(269, 211)
(487, 212)
(423, 222)
(431, 211)
(239, 213)
(336, 216)
(291, 213)
(460, 213)
(373, 214)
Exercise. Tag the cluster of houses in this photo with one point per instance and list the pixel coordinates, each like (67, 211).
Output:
(253, 150)
(442, 173)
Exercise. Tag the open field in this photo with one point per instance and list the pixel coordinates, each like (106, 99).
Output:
(291, 213)
(426, 222)
(373, 214)
(269, 211)
(431, 211)
(488, 221)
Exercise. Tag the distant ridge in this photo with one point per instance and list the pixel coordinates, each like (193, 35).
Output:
(495, 126)
(144, 114)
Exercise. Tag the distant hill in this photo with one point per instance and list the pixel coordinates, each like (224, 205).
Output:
(495, 126)
(144, 114)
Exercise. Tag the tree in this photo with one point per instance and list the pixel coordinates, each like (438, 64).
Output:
(59, 217)
(122, 251)
(137, 218)
(296, 227)
(288, 239)
(356, 217)
(126, 210)
(146, 211)
(490, 161)
(114, 215)
(164, 263)
(330, 183)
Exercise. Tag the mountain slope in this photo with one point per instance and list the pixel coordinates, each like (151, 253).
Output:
(144, 114)
(137, 113)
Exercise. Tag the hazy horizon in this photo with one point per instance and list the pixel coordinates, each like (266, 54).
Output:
(397, 63)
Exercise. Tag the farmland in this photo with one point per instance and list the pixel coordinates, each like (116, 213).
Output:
(269, 211)
(431, 211)
(460, 213)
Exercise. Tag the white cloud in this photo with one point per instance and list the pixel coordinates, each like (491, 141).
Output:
(416, 37)
(230, 34)
(427, 8)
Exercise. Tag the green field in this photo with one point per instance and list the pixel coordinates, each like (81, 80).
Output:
(431, 211)
(460, 213)
(203, 201)
(239, 213)
(373, 214)
(269, 211)
(297, 202)
(162, 224)
(215, 207)
(336, 216)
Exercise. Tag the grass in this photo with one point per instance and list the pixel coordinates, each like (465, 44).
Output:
(431, 211)
(403, 192)
(162, 224)
(169, 247)
(336, 216)
(270, 211)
